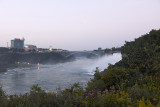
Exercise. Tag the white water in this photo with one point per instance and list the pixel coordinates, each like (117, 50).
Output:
(102, 62)
(50, 77)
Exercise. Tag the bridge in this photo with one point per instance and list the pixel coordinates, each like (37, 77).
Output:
(83, 54)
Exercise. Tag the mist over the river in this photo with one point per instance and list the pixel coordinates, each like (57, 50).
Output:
(52, 76)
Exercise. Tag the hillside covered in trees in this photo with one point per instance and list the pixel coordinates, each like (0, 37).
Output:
(134, 81)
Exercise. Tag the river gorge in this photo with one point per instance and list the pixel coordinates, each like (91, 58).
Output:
(51, 76)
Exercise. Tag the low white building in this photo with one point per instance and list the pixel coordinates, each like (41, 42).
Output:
(30, 48)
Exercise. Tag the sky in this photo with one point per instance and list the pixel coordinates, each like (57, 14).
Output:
(77, 24)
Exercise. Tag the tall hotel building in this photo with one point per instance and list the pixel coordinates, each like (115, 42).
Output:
(17, 43)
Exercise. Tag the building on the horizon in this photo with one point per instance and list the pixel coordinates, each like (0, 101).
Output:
(17, 43)
(100, 51)
(50, 48)
(28, 48)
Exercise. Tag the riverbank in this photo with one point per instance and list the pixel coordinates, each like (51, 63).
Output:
(3, 69)
(23, 59)
(9, 60)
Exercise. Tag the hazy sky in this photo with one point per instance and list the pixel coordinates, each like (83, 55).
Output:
(77, 24)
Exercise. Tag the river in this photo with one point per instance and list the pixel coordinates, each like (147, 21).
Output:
(52, 76)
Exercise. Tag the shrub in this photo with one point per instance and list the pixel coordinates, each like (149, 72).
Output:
(114, 76)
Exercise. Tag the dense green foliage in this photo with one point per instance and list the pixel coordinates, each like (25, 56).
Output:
(143, 53)
(132, 82)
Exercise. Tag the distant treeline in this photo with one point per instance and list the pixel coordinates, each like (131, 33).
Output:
(7, 50)
(113, 49)
(14, 50)
(110, 50)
